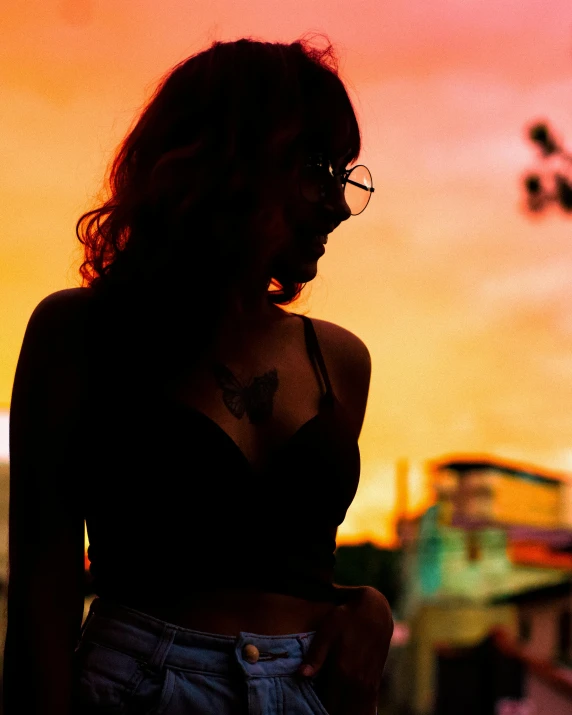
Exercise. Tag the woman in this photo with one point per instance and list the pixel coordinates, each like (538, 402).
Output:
(177, 408)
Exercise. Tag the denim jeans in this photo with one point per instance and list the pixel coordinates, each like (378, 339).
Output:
(130, 663)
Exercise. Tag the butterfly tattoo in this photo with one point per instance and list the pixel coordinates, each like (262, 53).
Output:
(254, 397)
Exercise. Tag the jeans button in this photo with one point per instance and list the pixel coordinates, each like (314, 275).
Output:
(250, 653)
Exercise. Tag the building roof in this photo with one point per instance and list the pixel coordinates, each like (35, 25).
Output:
(463, 463)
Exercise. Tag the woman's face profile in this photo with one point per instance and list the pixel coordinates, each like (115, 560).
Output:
(302, 225)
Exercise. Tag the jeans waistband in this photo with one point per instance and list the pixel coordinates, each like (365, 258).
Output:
(158, 643)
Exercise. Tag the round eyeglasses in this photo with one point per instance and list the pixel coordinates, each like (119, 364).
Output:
(357, 183)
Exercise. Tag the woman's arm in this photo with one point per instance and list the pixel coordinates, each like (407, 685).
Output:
(349, 651)
(46, 525)
(350, 647)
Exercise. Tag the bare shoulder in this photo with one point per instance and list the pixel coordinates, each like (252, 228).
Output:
(50, 364)
(349, 363)
(57, 320)
(67, 295)
(341, 341)
(68, 302)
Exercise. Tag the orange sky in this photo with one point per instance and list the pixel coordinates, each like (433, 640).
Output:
(464, 302)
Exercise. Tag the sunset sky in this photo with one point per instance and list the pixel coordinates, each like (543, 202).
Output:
(464, 302)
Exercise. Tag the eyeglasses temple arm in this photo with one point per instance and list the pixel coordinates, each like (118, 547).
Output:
(361, 186)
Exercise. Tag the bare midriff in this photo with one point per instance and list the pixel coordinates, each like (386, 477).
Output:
(231, 611)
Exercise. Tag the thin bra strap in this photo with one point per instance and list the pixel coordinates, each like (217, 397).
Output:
(315, 354)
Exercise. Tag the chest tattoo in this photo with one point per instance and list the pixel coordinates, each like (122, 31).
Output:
(255, 397)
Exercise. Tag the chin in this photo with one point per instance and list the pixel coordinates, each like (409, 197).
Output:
(310, 271)
(306, 273)
(299, 273)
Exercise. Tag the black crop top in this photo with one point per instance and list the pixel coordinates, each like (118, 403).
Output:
(173, 505)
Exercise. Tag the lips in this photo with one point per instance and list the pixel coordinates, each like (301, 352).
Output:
(317, 247)
(314, 244)
(317, 240)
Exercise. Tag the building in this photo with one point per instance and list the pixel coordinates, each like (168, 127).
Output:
(494, 532)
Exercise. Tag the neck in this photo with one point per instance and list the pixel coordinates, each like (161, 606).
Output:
(247, 304)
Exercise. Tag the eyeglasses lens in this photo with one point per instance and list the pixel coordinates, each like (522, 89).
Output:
(357, 190)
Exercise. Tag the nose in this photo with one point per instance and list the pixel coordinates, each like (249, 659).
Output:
(335, 203)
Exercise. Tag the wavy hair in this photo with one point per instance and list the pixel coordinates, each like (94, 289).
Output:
(190, 185)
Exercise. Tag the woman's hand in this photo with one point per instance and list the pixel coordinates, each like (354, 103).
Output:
(349, 652)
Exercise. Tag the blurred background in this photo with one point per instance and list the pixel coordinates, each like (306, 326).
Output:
(458, 277)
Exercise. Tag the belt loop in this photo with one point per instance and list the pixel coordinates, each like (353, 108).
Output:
(166, 639)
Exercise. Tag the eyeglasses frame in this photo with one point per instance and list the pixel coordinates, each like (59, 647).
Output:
(344, 174)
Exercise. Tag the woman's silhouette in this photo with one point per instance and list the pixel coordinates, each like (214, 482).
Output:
(207, 436)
